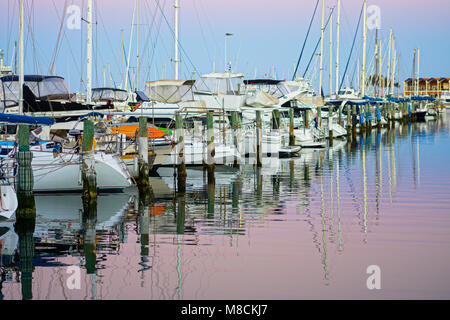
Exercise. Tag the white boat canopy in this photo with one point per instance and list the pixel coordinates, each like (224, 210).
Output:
(169, 91)
(220, 83)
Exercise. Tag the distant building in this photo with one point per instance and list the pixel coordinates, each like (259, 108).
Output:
(434, 87)
(4, 70)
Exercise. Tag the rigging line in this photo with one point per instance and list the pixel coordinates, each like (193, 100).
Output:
(154, 46)
(318, 42)
(184, 51)
(304, 42)
(128, 77)
(353, 44)
(148, 50)
(107, 37)
(201, 30)
(11, 24)
(209, 27)
(149, 31)
(59, 34)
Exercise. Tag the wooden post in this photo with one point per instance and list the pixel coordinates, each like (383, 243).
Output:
(181, 213)
(258, 138)
(369, 118)
(319, 116)
(26, 211)
(181, 164)
(89, 175)
(354, 122)
(144, 207)
(143, 154)
(89, 238)
(276, 119)
(211, 193)
(349, 121)
(236, 130)
(362, 120)
(24, 227)
(211, 152)
(330, 125)
(24, 158)
(291, 127)
(306, 115)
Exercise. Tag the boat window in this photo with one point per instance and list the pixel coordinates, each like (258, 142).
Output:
(11, 93)
(219, 85)
(104, 94)
(52, 87)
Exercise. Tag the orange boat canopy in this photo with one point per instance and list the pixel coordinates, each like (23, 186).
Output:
(132, 131)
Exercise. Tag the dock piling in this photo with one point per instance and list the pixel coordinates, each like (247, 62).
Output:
(258, 138)
(181, 164)
(143, 162)
(88, 172)
(291, 126)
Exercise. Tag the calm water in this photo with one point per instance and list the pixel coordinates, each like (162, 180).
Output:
(296, 229)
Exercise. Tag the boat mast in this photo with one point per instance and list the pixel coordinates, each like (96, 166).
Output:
(398, 75)
(331, 51)
(137, 46)
(379, 78)
(337, 45)
(321, 48)
(123, 59)
(89, 54)
(176, 6)
(418, 65)
(389, 59)
(363, 77)
(21, 56)
(394, 55)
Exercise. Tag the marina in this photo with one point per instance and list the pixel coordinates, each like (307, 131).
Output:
(221, 185)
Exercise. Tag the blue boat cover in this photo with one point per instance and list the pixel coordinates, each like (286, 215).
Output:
(19, 119)
(92, 114)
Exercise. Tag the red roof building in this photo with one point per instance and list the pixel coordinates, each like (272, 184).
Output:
(433, 87)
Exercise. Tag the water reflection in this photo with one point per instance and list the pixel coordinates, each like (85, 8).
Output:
(250, 231)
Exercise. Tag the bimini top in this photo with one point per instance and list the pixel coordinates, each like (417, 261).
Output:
(262, 81)
(103, 94)
(19, 119)
(168, 91)
(224, 75)
(31, 78)
(43, 88)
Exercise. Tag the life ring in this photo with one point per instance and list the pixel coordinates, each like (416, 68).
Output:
(80, 143)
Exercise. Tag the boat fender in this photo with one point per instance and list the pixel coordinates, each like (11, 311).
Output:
(378, 115)
(56, 150)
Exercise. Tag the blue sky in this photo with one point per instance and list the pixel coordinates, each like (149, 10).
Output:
(267, 36)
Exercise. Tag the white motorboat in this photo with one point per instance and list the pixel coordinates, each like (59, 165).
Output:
(8, 201)
(55, 171)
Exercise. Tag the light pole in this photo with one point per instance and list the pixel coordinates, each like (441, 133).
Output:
(226, 35)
